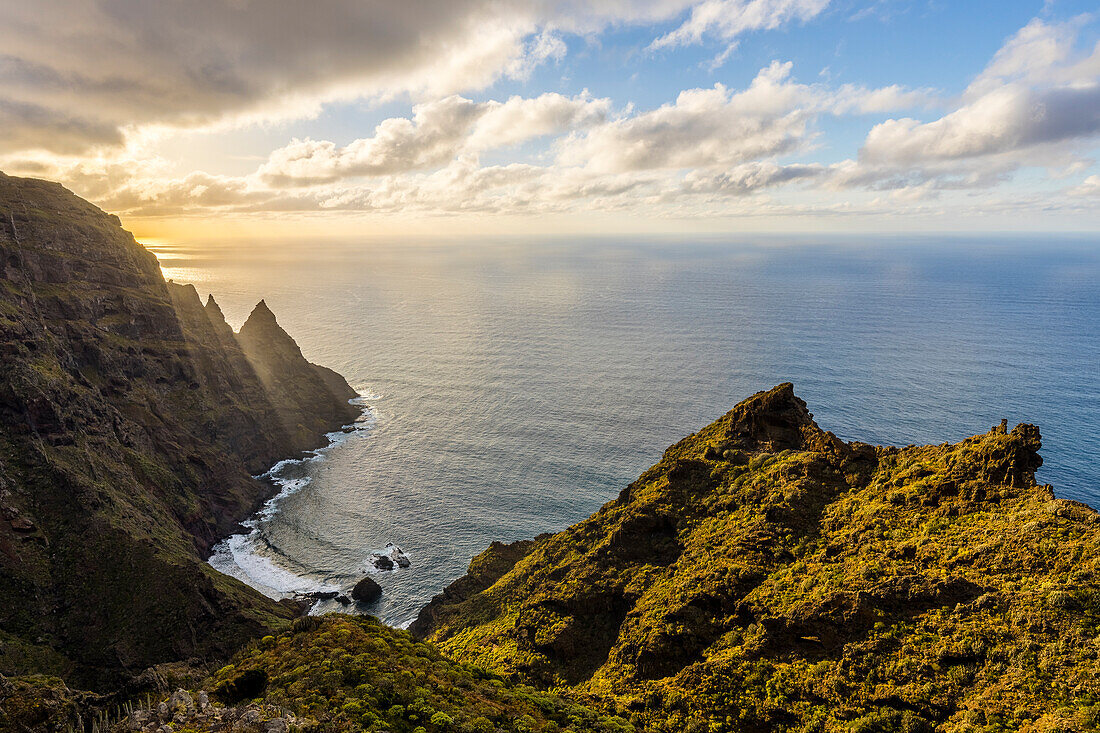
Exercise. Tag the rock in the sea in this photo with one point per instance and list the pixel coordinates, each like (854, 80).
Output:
(366, 591)
(343, 600)
(399, 557)
(382, 562)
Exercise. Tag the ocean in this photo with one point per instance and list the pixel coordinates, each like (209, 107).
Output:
(511, 388)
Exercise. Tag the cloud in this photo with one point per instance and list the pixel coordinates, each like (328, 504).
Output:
(714, 144)
(1002, 120)
(713, 127)
(1039, 53)
(727, 19)
(852, 99)
(749, 178)
(951, 175)
(707, 152)
(437, 133)
(76, 75)
(719, 127)
(23, 125)
(125, 64)
(1089, 188)
(1035, 91)
(1036, 103)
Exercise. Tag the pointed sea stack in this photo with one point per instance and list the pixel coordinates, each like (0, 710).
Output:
(214, 311)
(131, 424)
(308, 397)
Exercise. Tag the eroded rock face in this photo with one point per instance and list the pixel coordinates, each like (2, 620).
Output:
(131, 421)
(309, 398)
(765, 575)
(485, 570)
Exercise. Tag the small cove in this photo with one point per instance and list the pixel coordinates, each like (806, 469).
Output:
(514, 388)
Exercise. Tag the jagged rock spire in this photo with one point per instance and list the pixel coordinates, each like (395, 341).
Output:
(261, 316)
(778, 419)
(213, 309)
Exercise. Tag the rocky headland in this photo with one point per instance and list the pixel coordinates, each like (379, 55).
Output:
(763, 575)
(132, 419)
(767, 576)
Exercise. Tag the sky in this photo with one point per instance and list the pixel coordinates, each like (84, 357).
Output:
(251, 118)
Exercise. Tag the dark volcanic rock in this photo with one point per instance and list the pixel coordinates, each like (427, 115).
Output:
(131, 423)
(485, 569)
(22, 524)
(382, 562)
(366, 591)
(249, 684)
(308, 397)
(399, 557)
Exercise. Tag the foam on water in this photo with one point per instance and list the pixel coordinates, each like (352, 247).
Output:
(250, 558)
(527, 384)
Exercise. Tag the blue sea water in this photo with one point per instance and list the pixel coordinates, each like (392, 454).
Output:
(513, 388)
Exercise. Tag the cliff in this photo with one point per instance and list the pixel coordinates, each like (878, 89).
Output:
(765, 575)
(131, 421)
(762, 576)
(309, 398)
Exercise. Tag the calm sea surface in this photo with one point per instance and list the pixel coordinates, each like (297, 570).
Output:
(513, 389)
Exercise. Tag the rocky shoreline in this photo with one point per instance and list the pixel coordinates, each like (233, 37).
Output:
(132, 420)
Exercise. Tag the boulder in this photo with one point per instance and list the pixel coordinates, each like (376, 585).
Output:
(399, 556)
(366, 591)
(181, 700)
(382, 562)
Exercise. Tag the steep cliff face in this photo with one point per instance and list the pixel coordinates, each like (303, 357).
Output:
(307, 397)
(130, 424)
(243, 419)
(765, 575)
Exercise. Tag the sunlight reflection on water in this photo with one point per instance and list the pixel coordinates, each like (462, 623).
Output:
(523, 386)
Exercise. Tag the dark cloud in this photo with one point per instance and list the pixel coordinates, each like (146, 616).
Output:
(73, 70)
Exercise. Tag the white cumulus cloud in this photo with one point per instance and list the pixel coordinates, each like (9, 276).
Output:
(727, 19)
(437, 133)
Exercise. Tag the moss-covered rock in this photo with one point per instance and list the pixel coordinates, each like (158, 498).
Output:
(351, 673)
(765, 575)
(131, 422)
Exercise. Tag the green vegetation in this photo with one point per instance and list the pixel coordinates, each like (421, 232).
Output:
(351, 673)
(766, 576)
(763, 576)
(131, 423)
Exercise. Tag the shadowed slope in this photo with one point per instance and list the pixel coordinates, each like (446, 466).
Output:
(308, 397)
(130, 422)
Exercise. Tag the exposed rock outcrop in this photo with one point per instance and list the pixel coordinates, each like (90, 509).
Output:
(351, 673)
(310, 399)
(131, 421)
(765, 575)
